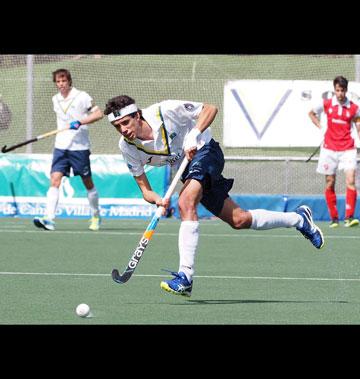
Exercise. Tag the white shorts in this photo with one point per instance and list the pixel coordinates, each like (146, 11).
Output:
(330, 161)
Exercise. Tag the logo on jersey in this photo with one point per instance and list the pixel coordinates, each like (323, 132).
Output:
(189, 107)
(171, 160)
(173, 135)
(129, 166)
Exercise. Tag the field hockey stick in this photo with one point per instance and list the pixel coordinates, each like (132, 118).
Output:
(316, 150)
(41, 136)
(146, 237)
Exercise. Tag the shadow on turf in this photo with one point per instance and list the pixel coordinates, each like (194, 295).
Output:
(207, 302)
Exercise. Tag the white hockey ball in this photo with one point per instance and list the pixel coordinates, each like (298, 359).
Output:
(83, 310)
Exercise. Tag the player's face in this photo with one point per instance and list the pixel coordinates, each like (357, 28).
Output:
(62, 84)
(340, 93)
(127, 126)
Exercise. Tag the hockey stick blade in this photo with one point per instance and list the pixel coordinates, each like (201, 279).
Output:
(116, 276)
(121, 279)
(6, 149)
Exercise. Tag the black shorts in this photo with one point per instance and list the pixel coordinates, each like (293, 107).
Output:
(206, 167)
(78, 160)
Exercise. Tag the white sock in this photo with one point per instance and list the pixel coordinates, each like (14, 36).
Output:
(188, 241)
(93, 198)
(263, 219)
(52, 198)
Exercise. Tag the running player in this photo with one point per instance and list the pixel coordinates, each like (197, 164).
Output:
(161, 134)
(338, 151)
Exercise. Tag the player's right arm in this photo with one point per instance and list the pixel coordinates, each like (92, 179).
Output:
(314, 114)
(136, 168)
(148, 194)
(315, 119)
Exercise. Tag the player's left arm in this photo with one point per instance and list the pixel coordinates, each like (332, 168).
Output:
(356, 121)
(94, 113)
(205, 119)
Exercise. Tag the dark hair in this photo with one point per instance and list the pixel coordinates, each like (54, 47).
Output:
(62, 72)
(341, 81)
(117, 103)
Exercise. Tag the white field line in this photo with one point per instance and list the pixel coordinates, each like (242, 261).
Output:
(196, 276)
(103, 232)
(193, 71)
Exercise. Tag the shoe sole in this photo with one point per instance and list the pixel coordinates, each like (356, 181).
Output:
(166, 288)
(308, 215)
(38, 224)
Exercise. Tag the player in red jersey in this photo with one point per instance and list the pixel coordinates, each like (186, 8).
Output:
(338, 150)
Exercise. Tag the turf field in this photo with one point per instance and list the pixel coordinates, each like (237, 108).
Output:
(242, 277)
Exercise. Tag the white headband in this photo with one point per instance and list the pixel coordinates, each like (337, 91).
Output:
(116, 115)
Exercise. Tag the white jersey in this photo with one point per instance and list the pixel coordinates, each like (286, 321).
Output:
(170, 121)
(74, 107)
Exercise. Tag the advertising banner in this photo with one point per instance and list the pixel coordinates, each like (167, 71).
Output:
(274, 113)
(25, 179)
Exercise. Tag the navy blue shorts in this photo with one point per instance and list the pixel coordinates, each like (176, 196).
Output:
(206, 167)
(78, 160)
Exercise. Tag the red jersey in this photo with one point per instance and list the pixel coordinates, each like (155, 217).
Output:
(338, 134)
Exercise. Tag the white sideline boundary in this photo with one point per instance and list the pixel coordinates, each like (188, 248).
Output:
(11, 273)
(103, 232)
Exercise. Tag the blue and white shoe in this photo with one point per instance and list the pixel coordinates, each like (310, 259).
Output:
(309, 230)
(179, 285)
(44, 223)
